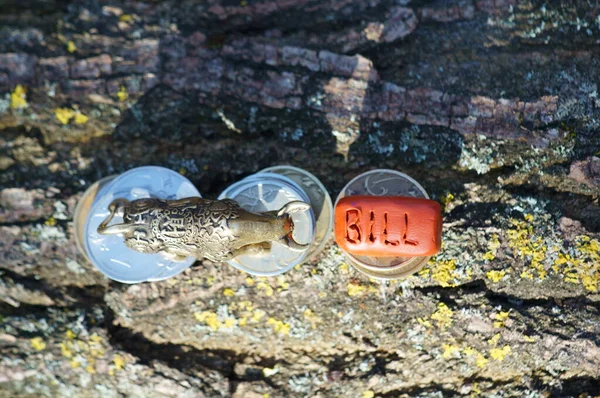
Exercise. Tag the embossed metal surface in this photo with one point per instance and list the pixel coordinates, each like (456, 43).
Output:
(384, 183)
(218, 230)
(263, 192)
(319, 200)
(109, 253)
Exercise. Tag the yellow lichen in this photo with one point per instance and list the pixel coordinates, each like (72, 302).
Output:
(65, 350)
(584, 266)
(355, 289)
(122, 94)
(228, 292)
(279, 326)
(493, 245)
(500, 353)
(90, 369)
(529, 339)
(258, 314)
(64, 115)
(18, 98)
(443, 271)
(450, 351)
(50, 222)
(119, 362)
(443, 316)
(424, 322)
(495, 276)
(344, 268)
(488, 256)
(526, 275)
(494, 340)
(37, 343)
(446, 200)
(524, 242)
(126, 18)
(245, 305)
(283, 285)
(265, 288)
(80, 118)
(469, 351)
(70, 335)
(96, 338)
(500, 319)
(249, 281)
(368, 394)
(312, 318)
(481, 361)
(209, 318)
(71, 47)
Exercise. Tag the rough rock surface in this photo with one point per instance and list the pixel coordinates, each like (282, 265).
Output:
(491, 104)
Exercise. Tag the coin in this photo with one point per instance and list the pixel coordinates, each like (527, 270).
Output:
(385, 182)
(109, 253)
(279, 177)
(319, 199)
(83, 209)
(258, 195)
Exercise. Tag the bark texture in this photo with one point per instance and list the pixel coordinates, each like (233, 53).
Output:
(492, 105)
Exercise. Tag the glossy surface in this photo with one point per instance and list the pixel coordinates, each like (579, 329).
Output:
(263, 192)
(109, 253)
(319, 200)
(388, 226)
(384, 182)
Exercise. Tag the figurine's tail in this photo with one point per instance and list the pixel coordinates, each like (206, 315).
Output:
(116, 207)
(285, 212)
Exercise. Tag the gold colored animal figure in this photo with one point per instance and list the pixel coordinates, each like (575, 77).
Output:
(214, 229)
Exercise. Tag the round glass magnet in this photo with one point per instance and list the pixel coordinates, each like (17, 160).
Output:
(109, 253)
(386, 225)
(270, 190)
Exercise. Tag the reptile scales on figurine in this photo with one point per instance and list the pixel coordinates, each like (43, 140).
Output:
(214, 229)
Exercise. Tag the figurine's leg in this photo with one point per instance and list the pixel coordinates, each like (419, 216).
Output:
(255, 249)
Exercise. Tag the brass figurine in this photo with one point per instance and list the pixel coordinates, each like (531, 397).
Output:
(215, 229)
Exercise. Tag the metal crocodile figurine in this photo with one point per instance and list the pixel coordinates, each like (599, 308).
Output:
(214, 229)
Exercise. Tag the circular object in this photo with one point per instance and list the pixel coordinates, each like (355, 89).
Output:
(319, 199)
(82, 209)
(263, 193)
(384, 182)
(108, 252)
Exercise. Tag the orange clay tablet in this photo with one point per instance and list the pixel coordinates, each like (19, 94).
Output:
(388, 226)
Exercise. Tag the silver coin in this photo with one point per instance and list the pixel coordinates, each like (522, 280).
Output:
(319, 199)
(261, 176)
(269, 194)
(385, 182)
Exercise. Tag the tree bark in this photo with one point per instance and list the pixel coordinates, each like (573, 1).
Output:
(491, 105)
